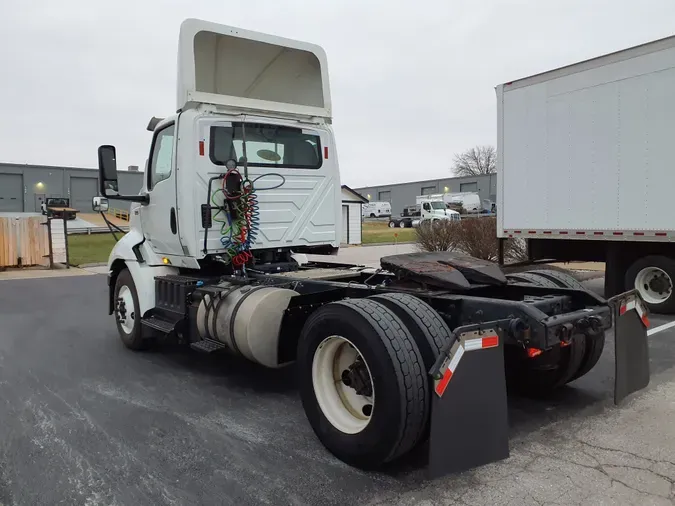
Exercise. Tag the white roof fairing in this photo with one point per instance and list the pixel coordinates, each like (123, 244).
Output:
(224, 65)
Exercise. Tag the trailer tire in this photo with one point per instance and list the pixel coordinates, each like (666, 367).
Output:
(639, 274)
(400, 390)
(128, 322)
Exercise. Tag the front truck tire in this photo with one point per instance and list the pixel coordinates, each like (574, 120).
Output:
(363, 383)
(653, 277)
(127, 313)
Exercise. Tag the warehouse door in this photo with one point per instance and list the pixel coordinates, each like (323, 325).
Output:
(82, 190)
(345, 225)
(11, 193)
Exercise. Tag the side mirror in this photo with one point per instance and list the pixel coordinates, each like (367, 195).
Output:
(107, 170)
(100, 204)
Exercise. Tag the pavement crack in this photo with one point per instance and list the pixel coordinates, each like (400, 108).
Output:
(624, 452)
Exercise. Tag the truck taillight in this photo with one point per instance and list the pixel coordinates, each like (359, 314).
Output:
(201, 148)
(325, 152)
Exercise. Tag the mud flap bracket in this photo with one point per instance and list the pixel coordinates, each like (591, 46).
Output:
(631, 346)
(469, 417)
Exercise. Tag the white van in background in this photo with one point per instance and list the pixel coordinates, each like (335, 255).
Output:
(376, 210)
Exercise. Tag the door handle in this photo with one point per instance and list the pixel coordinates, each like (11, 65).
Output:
(172, 220)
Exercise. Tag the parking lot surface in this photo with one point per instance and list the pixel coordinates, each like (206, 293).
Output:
(86, 421)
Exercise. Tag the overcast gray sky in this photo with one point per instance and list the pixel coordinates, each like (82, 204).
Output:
(412, 81)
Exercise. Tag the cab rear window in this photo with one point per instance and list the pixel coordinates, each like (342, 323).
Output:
(266, 146)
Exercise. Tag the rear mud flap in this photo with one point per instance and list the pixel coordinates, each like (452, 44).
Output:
(631, 344)
(469, 417)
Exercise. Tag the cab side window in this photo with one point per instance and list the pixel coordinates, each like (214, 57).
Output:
(162, 157)
(427, 207)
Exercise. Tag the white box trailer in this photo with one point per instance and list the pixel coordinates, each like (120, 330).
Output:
(585, 167)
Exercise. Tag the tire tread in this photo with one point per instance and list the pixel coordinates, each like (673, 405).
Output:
(408, 365)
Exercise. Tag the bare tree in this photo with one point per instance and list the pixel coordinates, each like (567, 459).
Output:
(476, 161)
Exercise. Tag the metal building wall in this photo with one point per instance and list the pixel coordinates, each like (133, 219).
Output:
(404, 194)
(40, 182)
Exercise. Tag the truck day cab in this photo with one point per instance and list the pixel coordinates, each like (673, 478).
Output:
(426, 210)
(242, 181)
(470, 201)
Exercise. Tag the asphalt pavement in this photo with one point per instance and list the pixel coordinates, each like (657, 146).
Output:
(86, 421)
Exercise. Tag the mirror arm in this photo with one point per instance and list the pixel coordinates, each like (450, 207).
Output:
(143, 199)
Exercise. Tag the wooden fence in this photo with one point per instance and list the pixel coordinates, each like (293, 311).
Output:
(120, 214)
(24, 241)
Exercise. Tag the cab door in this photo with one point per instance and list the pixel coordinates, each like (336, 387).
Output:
(158, 217)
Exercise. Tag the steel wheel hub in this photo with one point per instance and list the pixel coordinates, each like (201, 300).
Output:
(654, 284)
(343, 385)
(125, 309)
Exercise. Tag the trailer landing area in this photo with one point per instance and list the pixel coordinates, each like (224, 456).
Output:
(86, 421)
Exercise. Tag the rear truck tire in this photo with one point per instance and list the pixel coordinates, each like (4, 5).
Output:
(594, 343)
(372, 215)
(533, 279)
(540, 376)
(353, 354)
(392, 224)
(653, 277)
(594, 346)
(562, 279)
(429, 330)
(127, 313)
(402, 224)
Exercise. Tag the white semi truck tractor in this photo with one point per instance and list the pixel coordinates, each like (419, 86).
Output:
(241, 182)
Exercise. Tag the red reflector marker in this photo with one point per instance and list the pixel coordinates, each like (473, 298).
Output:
(443, 384)
(201, 148)
(490, 341)
(325, 152)
(533, 352)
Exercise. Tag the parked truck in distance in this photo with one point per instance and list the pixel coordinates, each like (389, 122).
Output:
(469, 201)
(426, 210)
(585, 167)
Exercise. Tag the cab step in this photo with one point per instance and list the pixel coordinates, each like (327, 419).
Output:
(207, 346)
(158, 324)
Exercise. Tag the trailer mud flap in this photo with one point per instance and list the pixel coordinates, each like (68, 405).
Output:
(469, 417)
(630, 343)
